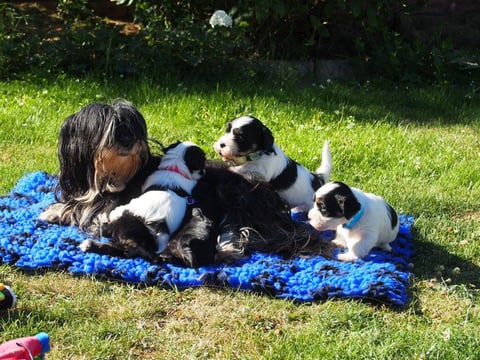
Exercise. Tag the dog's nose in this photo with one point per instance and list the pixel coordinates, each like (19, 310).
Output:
(222, 145)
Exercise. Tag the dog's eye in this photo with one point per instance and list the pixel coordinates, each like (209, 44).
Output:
(237, 133)
(321, 206)
(126, 141)
(229, 126)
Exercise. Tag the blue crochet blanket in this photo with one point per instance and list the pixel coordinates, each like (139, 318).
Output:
(30, 244)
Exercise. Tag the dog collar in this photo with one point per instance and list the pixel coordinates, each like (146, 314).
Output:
(177, 170)
(180, 192)
(255, 155)
(258, 154)
(354, 219)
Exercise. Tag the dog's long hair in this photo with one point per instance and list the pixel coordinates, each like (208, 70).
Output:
(104, 157)
(255, 218)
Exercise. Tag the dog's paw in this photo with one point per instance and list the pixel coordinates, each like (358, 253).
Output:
(339, 243)
(348, 256)
(386, 247)
(86, 245)
(230, 246)
(52, 214)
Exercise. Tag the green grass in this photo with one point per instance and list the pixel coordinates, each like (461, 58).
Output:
(417, 147)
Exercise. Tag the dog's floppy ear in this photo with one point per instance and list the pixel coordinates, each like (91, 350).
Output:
(267, 138)
(348, 204)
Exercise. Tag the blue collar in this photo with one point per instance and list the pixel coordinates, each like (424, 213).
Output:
(354, 219)
(255, 155)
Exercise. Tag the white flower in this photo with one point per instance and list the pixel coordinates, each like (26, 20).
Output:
(221, 18)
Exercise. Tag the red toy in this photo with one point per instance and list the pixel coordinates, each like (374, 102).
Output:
(25, 348)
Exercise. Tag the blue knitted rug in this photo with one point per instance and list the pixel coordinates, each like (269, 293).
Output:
(30, 244)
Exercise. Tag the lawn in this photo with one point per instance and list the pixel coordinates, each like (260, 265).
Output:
(417, 147)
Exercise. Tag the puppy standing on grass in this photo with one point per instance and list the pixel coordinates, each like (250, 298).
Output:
(362, 220)
(249, 146)
(143, 226)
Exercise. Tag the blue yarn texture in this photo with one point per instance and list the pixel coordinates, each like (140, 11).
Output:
(30, 244)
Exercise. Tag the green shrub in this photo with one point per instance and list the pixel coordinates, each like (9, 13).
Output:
(176, 37)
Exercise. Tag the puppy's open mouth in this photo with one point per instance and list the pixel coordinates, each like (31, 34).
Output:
(225, 157)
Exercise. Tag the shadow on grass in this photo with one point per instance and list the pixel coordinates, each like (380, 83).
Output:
(433, 262)
(428, 105)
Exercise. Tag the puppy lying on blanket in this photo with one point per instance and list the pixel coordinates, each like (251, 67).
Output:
(143, 226)
(249, 146)
(362, 220)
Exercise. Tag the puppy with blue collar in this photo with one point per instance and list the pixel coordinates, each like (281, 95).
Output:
(362, 220)
(249, 146)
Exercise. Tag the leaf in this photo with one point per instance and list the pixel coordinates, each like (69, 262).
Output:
(356, 8)
(315, 21)
(372, 15)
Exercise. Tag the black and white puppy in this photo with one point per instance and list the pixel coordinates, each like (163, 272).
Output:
(250, 148)
(147, 222)
(362, 220)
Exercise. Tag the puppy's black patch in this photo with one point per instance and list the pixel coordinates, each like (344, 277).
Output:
(338, 202)
(317, 181)
(393, 216)
(252, 136)
(286, 178)
(195, 159)
(194, 244)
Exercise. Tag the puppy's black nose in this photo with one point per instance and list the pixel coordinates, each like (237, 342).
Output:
(222, 145)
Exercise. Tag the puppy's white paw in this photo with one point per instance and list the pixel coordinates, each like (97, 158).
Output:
(348, 256)
(52, 214)
(85, 245)
(103, 218)
(386, 247)
(339, 243)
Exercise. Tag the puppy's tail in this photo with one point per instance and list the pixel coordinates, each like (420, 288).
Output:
(325, 169)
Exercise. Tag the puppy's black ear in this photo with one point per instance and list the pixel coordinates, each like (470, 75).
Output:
(348, 204)
(267, 138)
